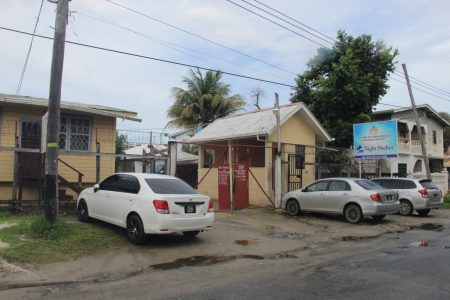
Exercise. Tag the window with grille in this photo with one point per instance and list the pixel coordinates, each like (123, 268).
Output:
(74, 133)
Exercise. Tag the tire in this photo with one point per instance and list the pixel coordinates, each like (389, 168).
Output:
(406, 208)
(135, 230)
(379, 217)
(82, 212)
(423, 212)
(293, 207)
(191, 234)
(353, 213)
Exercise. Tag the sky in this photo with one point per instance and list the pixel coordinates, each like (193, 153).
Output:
(419, 29)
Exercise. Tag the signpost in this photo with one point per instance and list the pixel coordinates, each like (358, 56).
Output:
(375, 140)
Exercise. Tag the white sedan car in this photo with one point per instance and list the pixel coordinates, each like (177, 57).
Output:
(352, 197)
(147, 204)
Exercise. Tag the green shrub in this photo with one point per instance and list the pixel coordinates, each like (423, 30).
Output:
(39, 228)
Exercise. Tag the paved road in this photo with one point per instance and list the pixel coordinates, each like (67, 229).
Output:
(386, 267)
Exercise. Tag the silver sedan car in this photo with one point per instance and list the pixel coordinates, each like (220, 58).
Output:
(354, 198)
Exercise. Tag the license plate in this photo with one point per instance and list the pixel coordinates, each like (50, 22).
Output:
(189, 209)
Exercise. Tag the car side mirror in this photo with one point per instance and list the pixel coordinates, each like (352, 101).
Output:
(96, 188)
(304, 190)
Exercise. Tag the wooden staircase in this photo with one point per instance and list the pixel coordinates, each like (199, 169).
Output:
(66, 201)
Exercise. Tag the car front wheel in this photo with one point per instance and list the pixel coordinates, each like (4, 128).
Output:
(292, 207)
(353, 213)
(135, 230)
(82, 211)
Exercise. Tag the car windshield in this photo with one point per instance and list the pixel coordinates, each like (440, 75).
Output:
(169, 186)
(428, 185)
(368, 185)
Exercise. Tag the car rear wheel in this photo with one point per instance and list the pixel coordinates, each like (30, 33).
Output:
(353, 213)
(423, 212)
(82, 211)
(379, 217)
(135, 230)
(191, 234)
(292, 207)
(406, 208)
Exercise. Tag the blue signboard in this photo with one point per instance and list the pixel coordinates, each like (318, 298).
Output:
(375, 139)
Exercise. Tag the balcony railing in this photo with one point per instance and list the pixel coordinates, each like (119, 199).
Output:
(408, 146)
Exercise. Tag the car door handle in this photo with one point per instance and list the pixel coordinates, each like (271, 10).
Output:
(345, 194)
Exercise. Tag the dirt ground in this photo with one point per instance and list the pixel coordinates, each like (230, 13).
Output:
(249, 233)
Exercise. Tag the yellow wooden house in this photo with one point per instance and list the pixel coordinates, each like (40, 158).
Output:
(253, 137)
(86, 146)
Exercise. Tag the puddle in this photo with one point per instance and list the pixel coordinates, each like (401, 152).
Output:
(357, 238)
(246, 242)
(428, 226)
(287, 236)
(201, 260)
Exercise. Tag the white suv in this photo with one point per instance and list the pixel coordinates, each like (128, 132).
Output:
(419, 195)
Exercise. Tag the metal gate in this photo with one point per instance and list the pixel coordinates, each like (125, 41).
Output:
(296, 164)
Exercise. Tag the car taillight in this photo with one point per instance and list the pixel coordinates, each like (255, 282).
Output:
(161, 206)
(375, 197)
(210, 206)
(424, 193)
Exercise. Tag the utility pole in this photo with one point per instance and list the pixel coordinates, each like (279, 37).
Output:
(277, 179)
(54, 99)
(419, 128)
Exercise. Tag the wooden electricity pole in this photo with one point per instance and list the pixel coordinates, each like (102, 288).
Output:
(52, 141)
(419, 128)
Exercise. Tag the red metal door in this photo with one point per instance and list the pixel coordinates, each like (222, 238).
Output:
(240, 188)
(224, 187)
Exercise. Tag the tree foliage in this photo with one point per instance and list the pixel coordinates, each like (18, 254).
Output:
(205, 99)
(121, 143)
(446, 116)
(342, 84)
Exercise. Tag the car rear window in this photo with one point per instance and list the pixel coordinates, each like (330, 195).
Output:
(169, 186)
(368, 185)
(428, 185)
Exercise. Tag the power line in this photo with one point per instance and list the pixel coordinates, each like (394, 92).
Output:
(297, 21)
(278, 24)
(423, 91)
(19, 86)
(152, 58)
(198, 36)
(420, 83)
(292, 24)
(423, 84)
(167, 44)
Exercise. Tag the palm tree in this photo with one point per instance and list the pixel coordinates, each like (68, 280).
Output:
(204, 100)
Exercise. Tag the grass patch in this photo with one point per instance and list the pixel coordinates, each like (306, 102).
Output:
(31, 240)
(447, 201)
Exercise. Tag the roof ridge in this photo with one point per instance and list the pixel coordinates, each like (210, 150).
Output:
(258, 111)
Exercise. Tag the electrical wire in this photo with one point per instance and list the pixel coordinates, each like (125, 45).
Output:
(415, 81)
(278, 24)
(198, 36)
(416, 88)
(425, 85)
(151, 58)
(200, 55)
(297, 21)
(292, 24)
(22, 75)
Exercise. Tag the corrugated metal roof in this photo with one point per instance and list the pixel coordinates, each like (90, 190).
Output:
(257, 123)
(433, 112)
(66, 105)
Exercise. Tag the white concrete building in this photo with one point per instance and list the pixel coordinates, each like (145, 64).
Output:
(409, 162)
